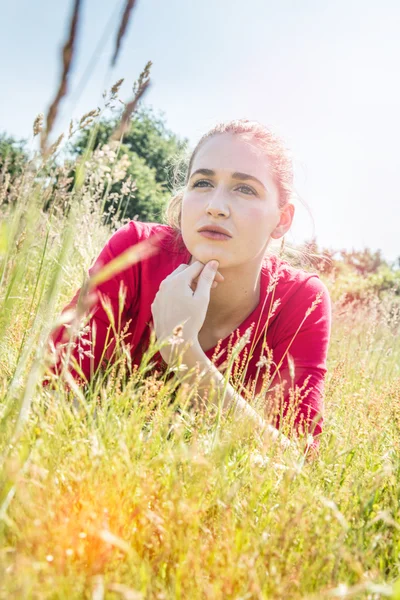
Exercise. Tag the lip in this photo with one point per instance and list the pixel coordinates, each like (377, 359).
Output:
(214, 228)
(215, 235)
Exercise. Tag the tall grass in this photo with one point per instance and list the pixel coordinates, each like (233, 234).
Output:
(131, 493)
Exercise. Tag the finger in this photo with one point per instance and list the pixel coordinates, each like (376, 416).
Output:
(179, 269)
(194, 285)
(206, 278)
(194, 269)
(185, 267)
(218, 277)
(193, 279)
(192, 273)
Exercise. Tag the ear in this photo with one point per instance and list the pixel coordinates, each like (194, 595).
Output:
(285, 221)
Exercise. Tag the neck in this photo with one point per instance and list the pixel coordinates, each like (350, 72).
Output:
(235, 298)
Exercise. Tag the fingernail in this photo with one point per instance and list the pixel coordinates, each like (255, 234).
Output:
(214, 264)
(214, 284)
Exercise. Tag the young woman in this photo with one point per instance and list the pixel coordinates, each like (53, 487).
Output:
(210, 280)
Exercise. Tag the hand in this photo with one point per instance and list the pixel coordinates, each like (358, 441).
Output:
(181, 302)
(219, 278)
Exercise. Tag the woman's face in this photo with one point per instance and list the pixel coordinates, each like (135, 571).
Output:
(228, 197)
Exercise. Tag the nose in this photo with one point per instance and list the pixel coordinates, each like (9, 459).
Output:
(216, 205)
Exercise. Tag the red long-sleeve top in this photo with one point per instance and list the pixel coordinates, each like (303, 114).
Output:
(290, 326)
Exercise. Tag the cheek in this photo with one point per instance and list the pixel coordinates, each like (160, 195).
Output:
(189, 220)
(260, 222)
(256, 216)
(188, 209)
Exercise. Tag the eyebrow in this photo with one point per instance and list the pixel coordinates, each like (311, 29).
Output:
(236, 175)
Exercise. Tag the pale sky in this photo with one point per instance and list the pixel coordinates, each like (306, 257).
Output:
(324, 75)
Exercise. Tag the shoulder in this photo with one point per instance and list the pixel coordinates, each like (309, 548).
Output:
(133, 232)
(299, 293)
(162, 251)
(292, 280)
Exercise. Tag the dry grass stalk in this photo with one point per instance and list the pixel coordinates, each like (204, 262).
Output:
(122, 29)
(38, 124)
(54, 147)
(5, 183)
(138, 89)
(116, 86)
(68, 52)
(92, 113)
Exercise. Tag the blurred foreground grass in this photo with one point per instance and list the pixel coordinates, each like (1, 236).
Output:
(127, 497)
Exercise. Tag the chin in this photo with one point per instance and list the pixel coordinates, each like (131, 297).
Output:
(205, 254)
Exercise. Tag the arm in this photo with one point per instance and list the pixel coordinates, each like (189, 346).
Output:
(304, 336)
(107, 316)
(210, 376)
(300, 354)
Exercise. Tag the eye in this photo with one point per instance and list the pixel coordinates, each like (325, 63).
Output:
(247, 188)
(200, 181)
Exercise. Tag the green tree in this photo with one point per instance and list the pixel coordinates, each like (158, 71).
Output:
(151, 149)
(13, 155)
(149, 198)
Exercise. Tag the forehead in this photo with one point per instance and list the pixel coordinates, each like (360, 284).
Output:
(233, 152)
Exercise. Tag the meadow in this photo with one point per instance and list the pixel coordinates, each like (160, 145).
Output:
(122, 490)
(121, 495)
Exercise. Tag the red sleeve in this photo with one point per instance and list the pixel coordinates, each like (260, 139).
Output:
(308, 349)
(89, 348)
